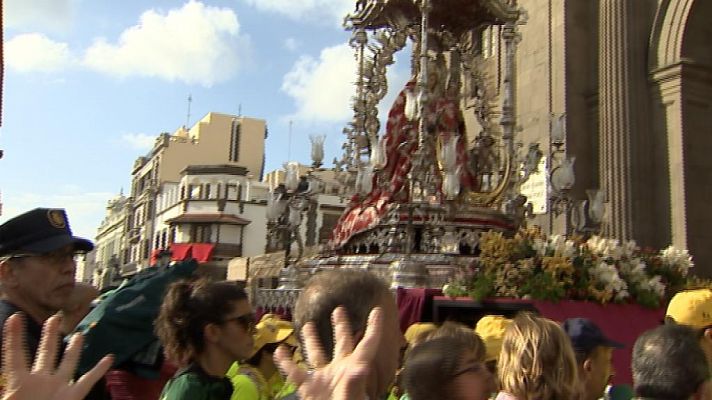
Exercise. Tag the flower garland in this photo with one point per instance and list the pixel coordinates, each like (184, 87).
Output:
(533, 266)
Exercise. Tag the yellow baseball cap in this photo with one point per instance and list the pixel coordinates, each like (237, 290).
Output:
(418, 329)
(692, 308)
(491, 329)
(272, 329)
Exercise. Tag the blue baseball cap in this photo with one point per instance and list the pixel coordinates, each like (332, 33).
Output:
(586, 335)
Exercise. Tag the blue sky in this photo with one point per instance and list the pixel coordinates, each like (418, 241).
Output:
(90, 83)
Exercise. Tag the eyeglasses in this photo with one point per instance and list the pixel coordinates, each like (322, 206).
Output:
(53, 257)
(246, 320)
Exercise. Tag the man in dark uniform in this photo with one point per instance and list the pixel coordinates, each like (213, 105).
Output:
(37, 266)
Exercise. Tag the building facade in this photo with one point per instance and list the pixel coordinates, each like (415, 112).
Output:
(631, 81)
(201, 193)
(110, 244)
(217, 139)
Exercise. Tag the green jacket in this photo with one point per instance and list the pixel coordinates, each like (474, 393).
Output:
(192, 383)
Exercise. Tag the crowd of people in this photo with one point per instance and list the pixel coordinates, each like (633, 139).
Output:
(344, 341)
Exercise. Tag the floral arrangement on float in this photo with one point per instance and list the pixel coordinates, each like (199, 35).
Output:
(533, 266)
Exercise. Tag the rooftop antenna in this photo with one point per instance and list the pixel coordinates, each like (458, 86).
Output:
(187, 118)
(239, 110)
(289, 145)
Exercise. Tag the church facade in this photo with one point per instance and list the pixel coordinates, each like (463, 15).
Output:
(632, 82)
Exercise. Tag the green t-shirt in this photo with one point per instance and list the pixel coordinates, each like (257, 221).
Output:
(192, 383)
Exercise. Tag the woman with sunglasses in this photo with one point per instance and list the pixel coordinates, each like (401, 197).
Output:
(204, 328)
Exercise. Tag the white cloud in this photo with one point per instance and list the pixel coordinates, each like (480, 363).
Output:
(196, 44)
(322, 88)
(34, 52)
(53, 15)
(85, 211)
(333, 10)
(291, 44)
(139, 141)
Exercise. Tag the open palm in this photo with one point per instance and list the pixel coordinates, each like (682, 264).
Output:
(344, 378)
(44, 381)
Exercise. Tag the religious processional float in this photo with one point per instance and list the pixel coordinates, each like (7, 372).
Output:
(435, 197)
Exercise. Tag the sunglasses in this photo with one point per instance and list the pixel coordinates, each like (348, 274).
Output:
(246, 320)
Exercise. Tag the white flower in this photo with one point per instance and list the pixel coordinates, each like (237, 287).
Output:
(539, 246)
(556, 240)
(594, 244)
(569, 249)
(630, 248)
(608, 275)
(622, 295)
(606, 248)
(656, 285)
(679, 259)
(635, 270)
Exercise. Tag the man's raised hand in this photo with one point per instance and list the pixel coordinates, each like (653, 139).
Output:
(344, 378)
(44, 381)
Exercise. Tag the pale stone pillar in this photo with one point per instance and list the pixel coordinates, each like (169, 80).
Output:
(669, 93)
(615, 117)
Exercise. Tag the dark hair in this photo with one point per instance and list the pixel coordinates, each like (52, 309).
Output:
(464, 335)
(187, 308)
(668, 363)
(357, 291)
(270, 348)
(582, 356)
(429, 368)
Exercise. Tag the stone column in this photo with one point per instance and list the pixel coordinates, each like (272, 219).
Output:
(615, 117)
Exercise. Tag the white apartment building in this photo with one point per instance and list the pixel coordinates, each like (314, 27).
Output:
(199, 193)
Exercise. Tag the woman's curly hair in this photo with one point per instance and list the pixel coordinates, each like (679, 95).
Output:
(187, 308)
(537, 360)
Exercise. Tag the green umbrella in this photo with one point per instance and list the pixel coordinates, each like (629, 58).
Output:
(122, 323)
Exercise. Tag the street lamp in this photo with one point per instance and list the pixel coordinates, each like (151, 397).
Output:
(584, 216)
(562, 176)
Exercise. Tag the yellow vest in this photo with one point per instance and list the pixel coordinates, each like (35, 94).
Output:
(250, 384)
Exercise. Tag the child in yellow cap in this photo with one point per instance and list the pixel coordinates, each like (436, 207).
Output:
(258, 377)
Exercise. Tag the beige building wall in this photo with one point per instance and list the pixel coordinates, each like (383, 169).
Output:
(209, 142)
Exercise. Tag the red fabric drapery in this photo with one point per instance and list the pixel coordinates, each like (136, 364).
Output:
(154, 256)
(202, 252)
(181, 251)
(412, 302)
